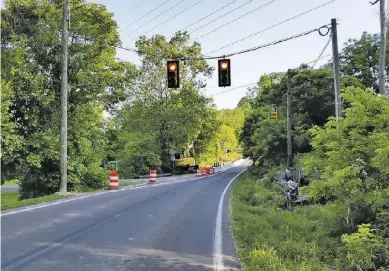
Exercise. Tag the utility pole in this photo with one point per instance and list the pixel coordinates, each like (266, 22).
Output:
(64, 101)
(289, 119)
(335, 53)
(382, 76)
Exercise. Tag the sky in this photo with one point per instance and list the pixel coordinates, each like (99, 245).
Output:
(354, 17)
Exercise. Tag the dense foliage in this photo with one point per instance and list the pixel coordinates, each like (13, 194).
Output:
(346, 161)
(146, 118)
(31, 58)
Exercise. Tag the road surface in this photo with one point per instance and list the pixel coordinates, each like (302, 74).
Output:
(177, 225)
(16, 187)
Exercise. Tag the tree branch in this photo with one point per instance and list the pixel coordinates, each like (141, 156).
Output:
(373, 3)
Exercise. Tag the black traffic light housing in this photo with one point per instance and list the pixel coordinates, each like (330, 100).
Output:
(224, 68)
(173, 74)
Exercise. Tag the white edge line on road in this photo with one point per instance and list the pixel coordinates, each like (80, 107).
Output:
(218, 263)
(100, 193)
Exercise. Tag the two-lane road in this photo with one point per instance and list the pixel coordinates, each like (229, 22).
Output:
(181, 225)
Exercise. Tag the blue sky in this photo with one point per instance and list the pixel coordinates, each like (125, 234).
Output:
(355, 16)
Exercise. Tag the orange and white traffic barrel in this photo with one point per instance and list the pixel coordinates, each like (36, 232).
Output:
(204, 171)
(198, 174)
(114, 180)
(153, 176)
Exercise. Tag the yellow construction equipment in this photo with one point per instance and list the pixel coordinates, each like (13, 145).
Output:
(185, 163)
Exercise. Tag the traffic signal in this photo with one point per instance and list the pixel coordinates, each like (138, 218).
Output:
(224, 72)
(274, 115)
(173, 74)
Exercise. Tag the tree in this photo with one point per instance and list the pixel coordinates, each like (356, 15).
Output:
(360, 59)
(226, 140)
(173, 117)
(312, 103)
(31, 68)
(234, 118)
(357, 157)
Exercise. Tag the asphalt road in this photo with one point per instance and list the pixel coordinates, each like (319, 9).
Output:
(177, 225)
(16, 187)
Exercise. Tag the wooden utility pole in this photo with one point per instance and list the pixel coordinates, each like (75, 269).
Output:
(382, 76)
(335, 53)
(289, 119)
(64, 101)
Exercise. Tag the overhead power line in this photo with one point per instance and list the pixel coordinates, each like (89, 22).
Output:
(231, 89)
(262, 46)
(151, 11)
(134, 6)
(177, 14)
(273, 26)
(156, 17)
(246, 50)
(249, 84)
(327, 55)
(221, 16)
(236, 19)
(210, 14)
(322, 52)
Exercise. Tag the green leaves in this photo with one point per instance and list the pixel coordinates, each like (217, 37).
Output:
(356, 157)
(361, 246)
(31, 48)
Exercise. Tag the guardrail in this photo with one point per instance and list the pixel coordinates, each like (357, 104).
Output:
(158, 175)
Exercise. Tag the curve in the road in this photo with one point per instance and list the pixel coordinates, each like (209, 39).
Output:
(168, 227)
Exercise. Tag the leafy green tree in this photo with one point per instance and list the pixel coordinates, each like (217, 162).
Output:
(355, 158)
(234, 118)
(171, 118)
(312, 104)
(359, 60)
(361, 246)
(31, 50)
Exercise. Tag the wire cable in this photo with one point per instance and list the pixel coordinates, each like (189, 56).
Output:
(236, 19)
(273, 26)
(210, 14)
(322, 52)
(231, 89)
(261, 46)
(177, 14)
(249, 84)
(160, 5)
(223, 15)
(156, 17)
(243, 51)
(134, 7)
(327, 55)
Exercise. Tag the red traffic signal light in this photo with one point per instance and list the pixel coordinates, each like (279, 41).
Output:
(224, 68)
(173, 74)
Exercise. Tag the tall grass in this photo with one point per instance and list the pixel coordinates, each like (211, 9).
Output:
(269, 238)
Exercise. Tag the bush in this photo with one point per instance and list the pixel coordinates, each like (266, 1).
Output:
(307, 238)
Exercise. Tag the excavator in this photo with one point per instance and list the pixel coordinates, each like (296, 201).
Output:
(185, 162)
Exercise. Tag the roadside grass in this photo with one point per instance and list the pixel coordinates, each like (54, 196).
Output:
(10, 200)
(268, 238)
(10, 183)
